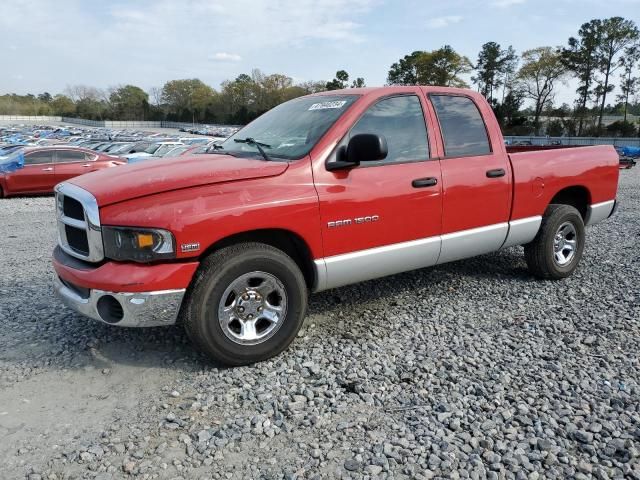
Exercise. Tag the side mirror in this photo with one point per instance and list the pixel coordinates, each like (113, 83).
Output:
(367, 147)
(363, 147)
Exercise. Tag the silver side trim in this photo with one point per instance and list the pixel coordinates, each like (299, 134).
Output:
(354, 267)
(469, 243)
(522, 231)
(599, 212)
(376, 262)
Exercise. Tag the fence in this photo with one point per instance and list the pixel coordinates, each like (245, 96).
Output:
(137, 124)
(29, 119)
(616, 141)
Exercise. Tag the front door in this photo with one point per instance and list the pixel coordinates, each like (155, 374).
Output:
(476, 178)
(36, 175)
(382, 217)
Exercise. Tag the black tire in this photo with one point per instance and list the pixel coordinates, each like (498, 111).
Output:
(216, 273)
(540, 252)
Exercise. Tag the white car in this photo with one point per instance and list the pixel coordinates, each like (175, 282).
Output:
(156, 149)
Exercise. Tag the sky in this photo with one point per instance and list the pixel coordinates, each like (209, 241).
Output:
(47, 45)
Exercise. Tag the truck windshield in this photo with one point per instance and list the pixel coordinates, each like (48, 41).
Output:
(291, 129)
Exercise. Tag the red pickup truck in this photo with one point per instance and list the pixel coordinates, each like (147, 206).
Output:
(322, 191)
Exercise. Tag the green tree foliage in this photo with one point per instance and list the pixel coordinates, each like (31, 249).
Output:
(629, 84)
(187, 99)
(542, 68)
(339, 82)
(129, 103)
(580, 57)
(622, 128)
(616, 34)
(438, 67)
(63, 106)
(494, 69)
(555, 128)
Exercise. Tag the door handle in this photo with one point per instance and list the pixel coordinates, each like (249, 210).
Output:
(496, 173)
(48, 169)
(424, 182)
(86, 165)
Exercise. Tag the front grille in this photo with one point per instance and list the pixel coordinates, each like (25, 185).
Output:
(72, 208)
(79, 232)
(77, 239)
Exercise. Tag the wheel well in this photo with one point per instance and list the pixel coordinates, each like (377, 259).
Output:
(577, 197)
(285, 240)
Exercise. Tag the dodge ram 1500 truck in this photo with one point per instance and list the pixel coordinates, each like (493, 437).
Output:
(322, 191)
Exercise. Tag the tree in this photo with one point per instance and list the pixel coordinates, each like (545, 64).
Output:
(45, 97)
(339, 82)
(129, 103)
(629, 85)
(616, 34)
(63, 106)
(188, 96)
(541, 69)
(621, 129)
(555, 128)
(494, 67)
(581, 58)
(405, 70)
(358, 83)
(438, 67)
(155, 96)
(313, 86)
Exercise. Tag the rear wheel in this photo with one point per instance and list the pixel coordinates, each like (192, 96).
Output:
(557, 248)
(246, 304)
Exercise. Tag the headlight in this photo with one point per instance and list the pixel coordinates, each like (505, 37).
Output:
(137, 244)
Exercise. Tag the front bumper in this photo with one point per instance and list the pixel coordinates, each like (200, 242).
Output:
(125, 309)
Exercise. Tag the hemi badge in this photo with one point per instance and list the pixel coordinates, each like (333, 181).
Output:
(189, 247)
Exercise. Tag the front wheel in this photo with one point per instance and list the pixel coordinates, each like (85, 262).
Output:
(246, 304)
(557, 248)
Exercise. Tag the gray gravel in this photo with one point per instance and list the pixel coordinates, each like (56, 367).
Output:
(468, 370)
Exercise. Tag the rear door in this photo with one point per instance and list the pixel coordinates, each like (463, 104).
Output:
(382, 217)
(36, 176)
(476, 179)
(70, 163)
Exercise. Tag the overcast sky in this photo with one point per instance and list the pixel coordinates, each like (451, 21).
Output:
(46, 45)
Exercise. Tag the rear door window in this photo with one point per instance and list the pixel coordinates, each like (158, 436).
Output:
(463, 129)
(66, 156)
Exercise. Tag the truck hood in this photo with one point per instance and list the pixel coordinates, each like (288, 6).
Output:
(126, 182)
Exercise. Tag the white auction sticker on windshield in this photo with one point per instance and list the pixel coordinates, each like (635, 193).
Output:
(325, 105)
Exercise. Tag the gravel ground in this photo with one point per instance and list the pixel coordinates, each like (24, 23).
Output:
(468, 370)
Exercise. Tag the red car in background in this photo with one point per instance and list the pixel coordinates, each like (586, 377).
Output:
(44, 167)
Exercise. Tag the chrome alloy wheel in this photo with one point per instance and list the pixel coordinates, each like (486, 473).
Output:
(252, 308)
(565, 244)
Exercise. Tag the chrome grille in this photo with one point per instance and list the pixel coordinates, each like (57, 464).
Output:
(78, 217)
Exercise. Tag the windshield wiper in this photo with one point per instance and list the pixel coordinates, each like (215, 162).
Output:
(255, 143)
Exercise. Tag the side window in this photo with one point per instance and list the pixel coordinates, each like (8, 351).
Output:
(401, 121)
(462, 127)
(38, 158)
(64, 156)
(89, 157)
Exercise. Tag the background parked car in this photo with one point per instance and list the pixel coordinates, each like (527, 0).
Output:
(37, 170)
